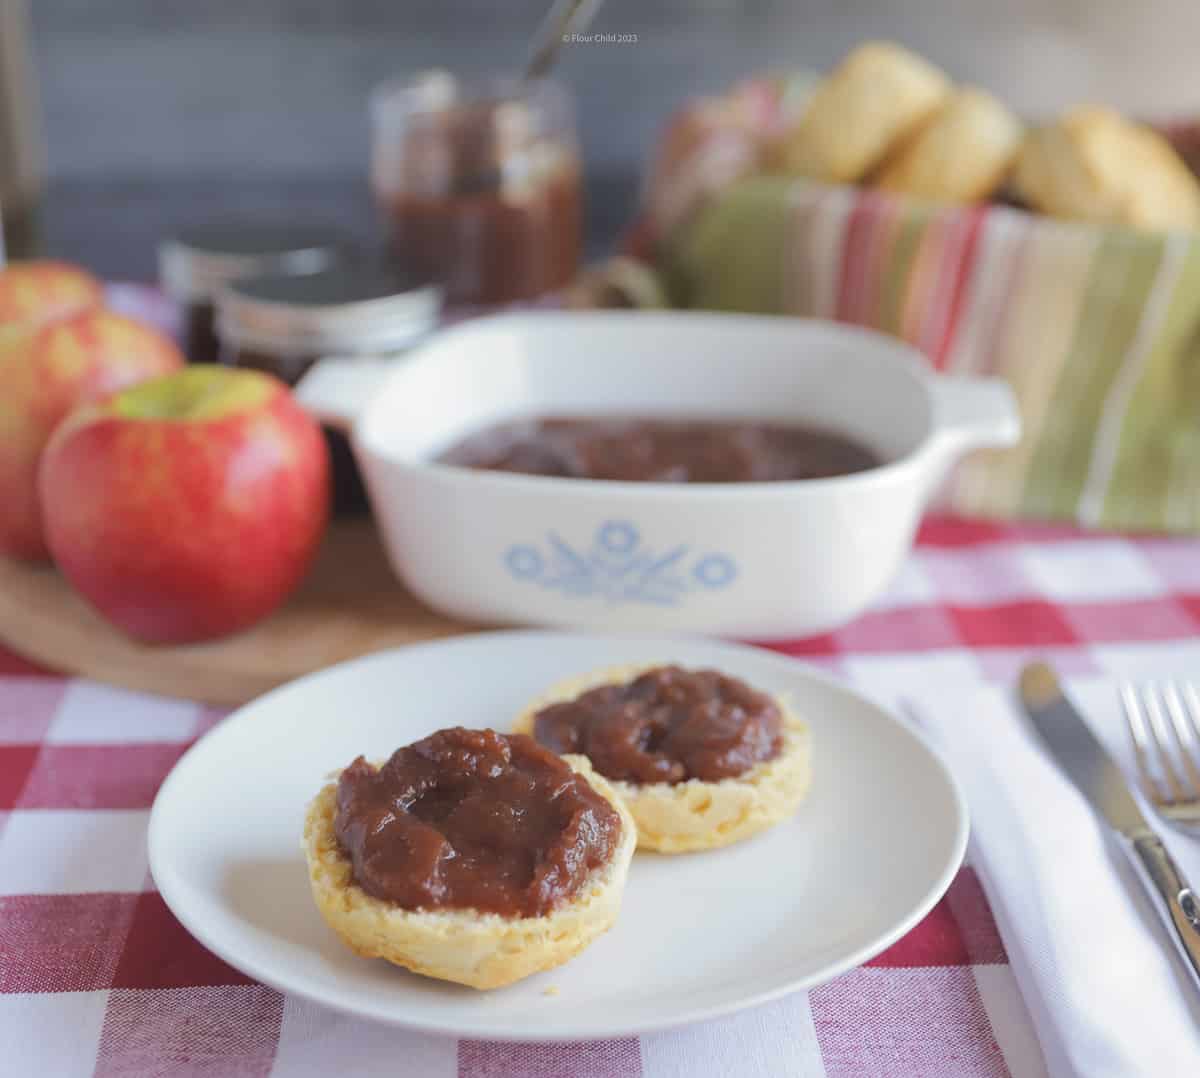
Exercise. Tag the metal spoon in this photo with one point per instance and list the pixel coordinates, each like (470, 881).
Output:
(564, 18)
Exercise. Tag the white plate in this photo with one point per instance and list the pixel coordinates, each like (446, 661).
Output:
(869, 853)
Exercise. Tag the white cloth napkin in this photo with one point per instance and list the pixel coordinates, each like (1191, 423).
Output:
(1107, 993)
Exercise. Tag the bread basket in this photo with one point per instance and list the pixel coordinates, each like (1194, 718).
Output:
(1096, 328)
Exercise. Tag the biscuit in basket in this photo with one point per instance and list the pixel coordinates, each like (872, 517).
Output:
(1094, 165)
(481, 950)
(873, 100)
(962, 154)
(694, 815)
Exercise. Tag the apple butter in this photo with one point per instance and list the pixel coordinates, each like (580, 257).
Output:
(472, 819)
(490, 249)
(666, 725)
(479, 184)
(662, 450)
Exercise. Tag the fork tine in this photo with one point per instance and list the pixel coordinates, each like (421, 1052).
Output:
(1138, 734)
(1191, 705)
(1162, 737)
(1184, 735)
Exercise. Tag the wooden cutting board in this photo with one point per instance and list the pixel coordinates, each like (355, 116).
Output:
(351, 604)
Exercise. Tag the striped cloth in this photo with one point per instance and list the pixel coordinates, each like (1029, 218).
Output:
(98, 978)
(1097, 329)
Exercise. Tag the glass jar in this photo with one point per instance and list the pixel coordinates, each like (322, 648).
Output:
(283, 324)
(479, 185)
(198, 262)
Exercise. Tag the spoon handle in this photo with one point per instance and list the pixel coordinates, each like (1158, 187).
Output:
(565, 17)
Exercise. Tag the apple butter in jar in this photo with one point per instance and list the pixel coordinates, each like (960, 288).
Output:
(283, 324)
(479, 185)
(198, 262)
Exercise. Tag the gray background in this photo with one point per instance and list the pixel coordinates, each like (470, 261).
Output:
(157, 110)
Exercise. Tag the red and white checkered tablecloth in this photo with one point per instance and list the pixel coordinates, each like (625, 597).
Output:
(97, 977)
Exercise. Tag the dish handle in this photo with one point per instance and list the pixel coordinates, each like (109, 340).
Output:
(974, 413)
(337, 389)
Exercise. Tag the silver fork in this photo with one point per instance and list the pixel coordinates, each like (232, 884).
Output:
(1164, 725)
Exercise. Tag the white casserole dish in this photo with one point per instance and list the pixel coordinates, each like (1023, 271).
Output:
(750, 560)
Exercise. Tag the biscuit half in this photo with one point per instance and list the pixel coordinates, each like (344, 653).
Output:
(1094, 165)
(684, 817)
(482, 950)
(874, 99)
(962, 154)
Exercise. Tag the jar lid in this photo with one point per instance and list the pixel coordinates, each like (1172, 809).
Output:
(352, 310)
(198, 262)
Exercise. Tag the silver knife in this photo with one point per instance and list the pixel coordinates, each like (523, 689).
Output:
(1083, 758)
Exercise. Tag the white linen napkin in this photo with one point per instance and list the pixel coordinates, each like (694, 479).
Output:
(1103, 985)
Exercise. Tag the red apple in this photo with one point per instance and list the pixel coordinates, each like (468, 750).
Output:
(35, 293)
(188, 506)
(46, 372)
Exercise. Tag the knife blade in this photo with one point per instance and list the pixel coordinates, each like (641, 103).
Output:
(1080, 755)
(1077, 751)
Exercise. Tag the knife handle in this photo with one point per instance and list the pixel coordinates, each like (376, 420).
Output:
(1178, 905)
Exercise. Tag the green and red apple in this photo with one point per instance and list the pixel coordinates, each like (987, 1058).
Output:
(45, 371)
(188, 506)
(33, 294)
